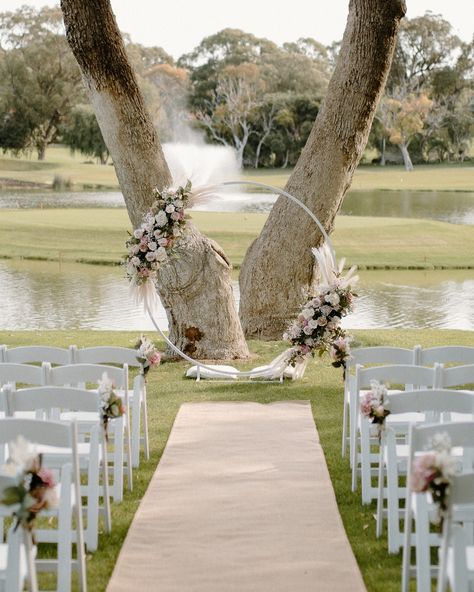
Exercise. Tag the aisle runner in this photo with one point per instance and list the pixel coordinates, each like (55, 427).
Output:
(241, 501)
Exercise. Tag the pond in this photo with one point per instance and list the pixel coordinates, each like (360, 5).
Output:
(49, 295)
(456, 207)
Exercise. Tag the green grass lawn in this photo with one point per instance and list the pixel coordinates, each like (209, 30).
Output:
(83, 172)
(322, 386)
(98, 236)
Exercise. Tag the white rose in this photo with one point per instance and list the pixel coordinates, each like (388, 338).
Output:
(169, 208)
(308, 313)
(138, 233)
(152, 246)
(135, 250)
(135, 261)
(150, 256)
(163, 242)
(313, 323)
(176, 231)
(307, 330)
(161, 218)
(326, 310)
(322, 321)
(157, 234)
(179, 203)
(332, 298)
(161, 254)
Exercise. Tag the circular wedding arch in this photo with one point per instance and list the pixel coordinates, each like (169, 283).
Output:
(277, 191)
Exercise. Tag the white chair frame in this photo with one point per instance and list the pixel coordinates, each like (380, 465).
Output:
(137, 394)
(417, 506)
(64, 436)
(79, 375)
(413, 376)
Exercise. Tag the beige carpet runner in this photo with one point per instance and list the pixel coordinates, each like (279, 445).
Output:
(241, 501)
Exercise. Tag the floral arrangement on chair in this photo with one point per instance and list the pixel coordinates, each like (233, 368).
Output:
(147, 354)
(432, 471)
(33, 486)
(317, 327)
(375, 406)
(111, 405)
(150, 245)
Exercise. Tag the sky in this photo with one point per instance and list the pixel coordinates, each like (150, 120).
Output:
(179, 25)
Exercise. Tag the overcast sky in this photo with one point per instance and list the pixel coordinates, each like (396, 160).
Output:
(179, 25)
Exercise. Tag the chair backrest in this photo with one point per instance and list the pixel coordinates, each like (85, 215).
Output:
(48, 398)
(78, 374)
(396, 374)
(458, 354)
(13, 373)
(105, 355)
(460, 433)
(45, 433)
(38, 353)
(382, 355)
(434, 400)
(457, 376)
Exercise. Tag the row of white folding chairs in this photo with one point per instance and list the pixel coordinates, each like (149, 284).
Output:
(95, 355)
(396, 463)
(19, 562)
(412, 377)
(385, 355)
(79, 375)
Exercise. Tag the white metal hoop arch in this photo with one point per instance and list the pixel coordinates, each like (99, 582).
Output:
(278, 191)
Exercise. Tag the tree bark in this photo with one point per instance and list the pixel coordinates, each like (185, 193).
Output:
(272, 286)
(406, 157)
(204, 325)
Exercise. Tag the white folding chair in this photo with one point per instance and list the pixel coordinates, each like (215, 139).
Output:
(12, 373)
(457, 376)
(418, 506)
(58, 402)
(63, 436)
(368, 356)
(446, 354)
(427, 405)
(137, 394)
(17, 554)
(404, 375)
(457, 550)
(83, 374)
(28, 354)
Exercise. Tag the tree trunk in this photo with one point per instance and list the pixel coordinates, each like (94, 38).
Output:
(406, 157)
(382, 158)
(204, 324)
(272, 286)
(41, 150)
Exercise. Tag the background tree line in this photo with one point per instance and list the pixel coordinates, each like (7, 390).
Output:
(240, 90)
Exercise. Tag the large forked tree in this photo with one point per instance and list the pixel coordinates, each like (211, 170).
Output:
(278, 267)
(196, 288)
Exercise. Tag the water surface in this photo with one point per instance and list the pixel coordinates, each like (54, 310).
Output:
(49, 295)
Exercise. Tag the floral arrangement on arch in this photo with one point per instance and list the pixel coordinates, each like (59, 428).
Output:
(33, 486)
(147, 354)
(111, 405)
(375, 405)
(151, 245)
(317, 327)
(433, 471)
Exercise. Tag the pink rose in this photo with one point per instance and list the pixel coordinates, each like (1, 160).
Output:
(47, 477)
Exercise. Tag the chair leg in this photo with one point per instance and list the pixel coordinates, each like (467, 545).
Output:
(118, 459)
(344, 426)
(392, 508)
(380, 487)
(406, 558)
(144, 406)
(365, 464)
(32, 579)
(136, 425)
(65, 537)
(105, 484)
(422, 535)
(91, 534)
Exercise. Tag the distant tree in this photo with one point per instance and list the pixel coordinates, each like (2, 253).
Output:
(40, 79)
(230, 114)
(83, 134)
(425, 45)
(404, 118)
